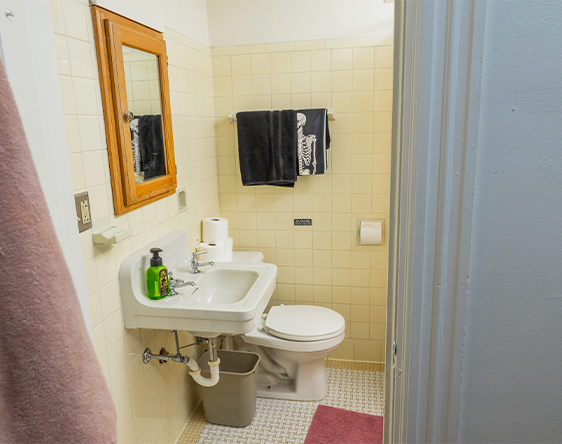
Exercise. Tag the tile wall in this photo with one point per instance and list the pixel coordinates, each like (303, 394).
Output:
(322, 264)
(153, 401)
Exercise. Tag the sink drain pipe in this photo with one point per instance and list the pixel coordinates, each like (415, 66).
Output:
(194, 369)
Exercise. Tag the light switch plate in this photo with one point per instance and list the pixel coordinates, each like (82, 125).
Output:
(83, 214)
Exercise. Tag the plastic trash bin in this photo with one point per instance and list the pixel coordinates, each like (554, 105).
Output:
(232, 402)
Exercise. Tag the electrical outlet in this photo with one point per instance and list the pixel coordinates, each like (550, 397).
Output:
(83, 215)
(85, 210)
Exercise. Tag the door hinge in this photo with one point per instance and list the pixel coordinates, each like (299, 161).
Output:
(394, 348)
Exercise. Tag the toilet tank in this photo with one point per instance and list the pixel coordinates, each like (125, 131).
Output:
(251, 257)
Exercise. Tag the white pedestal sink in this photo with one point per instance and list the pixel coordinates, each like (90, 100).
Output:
(228, 298)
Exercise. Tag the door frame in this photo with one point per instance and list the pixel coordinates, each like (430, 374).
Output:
(438, 48)
(28, 46)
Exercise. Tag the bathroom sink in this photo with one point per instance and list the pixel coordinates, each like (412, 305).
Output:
(228, 298)
(223, 286)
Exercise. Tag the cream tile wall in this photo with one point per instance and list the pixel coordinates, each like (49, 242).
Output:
(322, 264)
(153, 401)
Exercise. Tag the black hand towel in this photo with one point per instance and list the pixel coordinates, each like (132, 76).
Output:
(267, 147)
(151, 143)
(313, 139)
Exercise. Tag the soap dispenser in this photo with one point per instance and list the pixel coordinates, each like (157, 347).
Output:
(157, 282)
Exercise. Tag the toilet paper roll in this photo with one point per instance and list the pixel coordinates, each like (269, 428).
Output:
(228, 249)
(215, 230)
(217, 252)
(370, 233)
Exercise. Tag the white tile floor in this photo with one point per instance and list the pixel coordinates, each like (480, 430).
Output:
(280, 421)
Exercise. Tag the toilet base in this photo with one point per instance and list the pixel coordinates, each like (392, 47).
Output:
(289, 369)
(309, 383)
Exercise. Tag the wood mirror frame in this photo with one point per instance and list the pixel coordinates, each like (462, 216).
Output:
(113, 31)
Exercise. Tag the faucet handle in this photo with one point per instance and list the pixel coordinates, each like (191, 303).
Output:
(174, 281)
(196, 253)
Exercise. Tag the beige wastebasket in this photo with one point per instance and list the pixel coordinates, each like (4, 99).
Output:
(232, 402)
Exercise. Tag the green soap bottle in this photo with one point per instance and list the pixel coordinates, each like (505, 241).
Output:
(157, 282)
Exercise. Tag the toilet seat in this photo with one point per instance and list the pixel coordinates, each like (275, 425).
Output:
(258, 336)
(336, 331)
(304, 323)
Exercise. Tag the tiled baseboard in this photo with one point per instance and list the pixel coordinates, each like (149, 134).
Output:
(354, 365)
(194, 427)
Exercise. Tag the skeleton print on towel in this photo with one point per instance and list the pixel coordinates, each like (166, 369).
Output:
(136, 146)
(306, 148)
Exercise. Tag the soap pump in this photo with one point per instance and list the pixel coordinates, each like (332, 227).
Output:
(157, 282)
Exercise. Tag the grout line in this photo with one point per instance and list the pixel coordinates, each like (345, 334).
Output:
(355, 365)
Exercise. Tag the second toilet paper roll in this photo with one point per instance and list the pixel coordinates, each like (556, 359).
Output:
(228, 249)
(215, 230)
(370, 233)
(221, 252)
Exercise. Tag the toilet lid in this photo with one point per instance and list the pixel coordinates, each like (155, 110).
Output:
(304, 322)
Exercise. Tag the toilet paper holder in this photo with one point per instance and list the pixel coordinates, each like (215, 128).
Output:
(370, 232)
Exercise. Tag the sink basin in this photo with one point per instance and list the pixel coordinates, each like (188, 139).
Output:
(224, 286)
(228, 298)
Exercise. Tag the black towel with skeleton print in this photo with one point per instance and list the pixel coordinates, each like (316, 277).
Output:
(313, 139)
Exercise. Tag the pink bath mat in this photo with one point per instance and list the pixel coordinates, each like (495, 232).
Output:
(337, 426)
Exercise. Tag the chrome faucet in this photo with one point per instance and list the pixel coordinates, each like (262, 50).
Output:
(195, 264)
(177, 283)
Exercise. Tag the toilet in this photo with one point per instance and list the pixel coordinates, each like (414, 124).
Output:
(292, 341)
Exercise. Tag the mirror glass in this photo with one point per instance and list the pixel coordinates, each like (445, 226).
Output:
(145, 113)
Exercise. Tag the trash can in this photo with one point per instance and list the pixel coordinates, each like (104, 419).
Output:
(232, 402)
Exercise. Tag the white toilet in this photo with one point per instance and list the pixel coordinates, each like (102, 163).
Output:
(292, 342)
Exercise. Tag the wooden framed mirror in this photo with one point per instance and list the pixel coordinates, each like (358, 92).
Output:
(133, 71)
